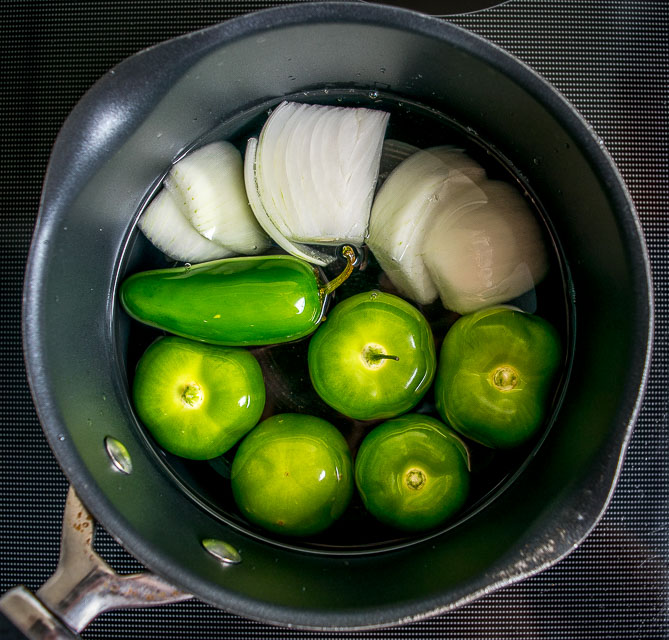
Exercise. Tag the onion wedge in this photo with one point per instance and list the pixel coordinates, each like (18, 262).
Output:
(486, 253)
(310, 254)
(392, 154)
(314, 172)
(164, 224)
(208, 184)
(428, 184)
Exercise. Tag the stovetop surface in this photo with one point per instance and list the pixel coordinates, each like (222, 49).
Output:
(609, 58)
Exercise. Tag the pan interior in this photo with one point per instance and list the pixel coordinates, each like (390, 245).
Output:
(285, 366)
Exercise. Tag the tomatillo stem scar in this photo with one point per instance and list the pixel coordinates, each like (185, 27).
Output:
(192, 396)
(415, 479)
(505, 378)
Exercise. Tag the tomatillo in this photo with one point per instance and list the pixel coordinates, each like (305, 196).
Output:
(374, 357)
(412, 472)
(197, 400)
(293, 475)
(495, 375)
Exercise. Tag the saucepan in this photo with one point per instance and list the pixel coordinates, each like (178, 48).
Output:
(110, 157)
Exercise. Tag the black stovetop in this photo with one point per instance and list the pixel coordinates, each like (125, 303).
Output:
(609, 58)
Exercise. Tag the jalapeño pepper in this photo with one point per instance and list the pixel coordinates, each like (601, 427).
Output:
(243, 301)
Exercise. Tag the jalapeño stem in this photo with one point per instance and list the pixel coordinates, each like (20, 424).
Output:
(350, 256)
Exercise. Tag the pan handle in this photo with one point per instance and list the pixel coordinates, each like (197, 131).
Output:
(82, 587)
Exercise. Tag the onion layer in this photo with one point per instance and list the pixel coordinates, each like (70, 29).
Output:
(209, 187)
(165, 226)
(420, 188)
(486, 253)
(315, 169)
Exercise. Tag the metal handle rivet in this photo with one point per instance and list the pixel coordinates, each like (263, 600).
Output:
(118, 454)
(222, 551)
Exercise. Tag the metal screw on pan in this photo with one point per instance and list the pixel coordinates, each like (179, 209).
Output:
(119, 455)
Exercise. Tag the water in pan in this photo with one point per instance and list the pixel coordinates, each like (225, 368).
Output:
(285, 366)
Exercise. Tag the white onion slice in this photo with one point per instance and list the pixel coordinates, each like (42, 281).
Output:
(315, 172)
(310, 254)
(163, 223)
(426, 184)
(208, 184)
(486, 253)
(392, 154)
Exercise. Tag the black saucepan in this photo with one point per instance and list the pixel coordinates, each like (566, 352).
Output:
(112, 153)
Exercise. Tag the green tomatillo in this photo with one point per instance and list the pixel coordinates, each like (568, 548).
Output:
(374, 357)
(293, 475)
(495, 376)
(412, 472)
(197, 400)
